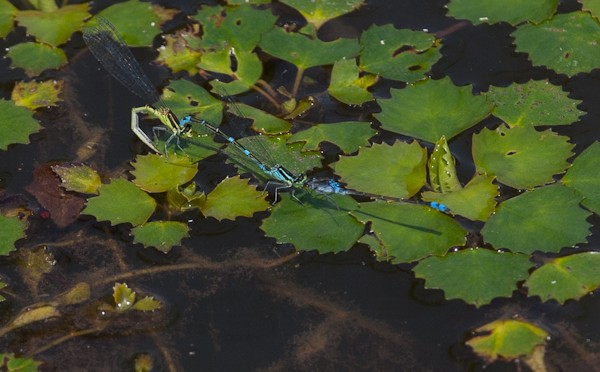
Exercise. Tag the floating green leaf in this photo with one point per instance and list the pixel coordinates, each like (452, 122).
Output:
(11, 230)
(510, 11)
(162, 235)
(34, 95)
(475, 201)
(583, 176)
(348, 135)
(186, 98)
(403, 55)
(315, 222)
(431, 109)
(592, 6)
(348, 86)
(442, 168)
(16, 124)
(507, 339)
(124, 297)
(155, 173)
(232, 198)
(239, 27)
(319, 12)
(138, 30)
(78, 178)
(119, 202)
(409, 232)
(566, 43)
(396, 171)
(546, 219)
(56, 27)
(185, 199)
(534, 103)
(7, 13)
(566, 278)
(305, 52)
(262, 122)
(521, 157)
(14, 364)
(490, 274)
(233, 31)
(176, 55)
(35, 58)
(147, 304)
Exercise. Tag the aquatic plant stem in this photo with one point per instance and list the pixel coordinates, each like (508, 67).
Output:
(297, 81)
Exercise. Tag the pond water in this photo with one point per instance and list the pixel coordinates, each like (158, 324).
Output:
(234, 299)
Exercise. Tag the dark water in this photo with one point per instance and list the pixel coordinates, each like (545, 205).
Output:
(235, 300)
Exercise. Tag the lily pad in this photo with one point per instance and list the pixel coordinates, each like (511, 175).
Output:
(304, 52)
(592, 6)
(233, 33)
(54, 27)
(162, 235)
(138, 31)
(490, 275)
(349, 136)
(510, 11)
(177, 55)
(147, 304)
(7, 14)
(124, 297)
(34, 95)
(232, 198)
(11, 230)
(534, 103)
(409, 232)
(431, 109)
(78, 178)
(583, 176)
(155, 173)
(348, 86)
(319, 12)
(567, 43)
(15, 364)
(403, 55)
(16, 124)
(262, 122)
(521, 157)
(566, 278)
(35, 58)
(186, 98)
(314, 222)
(475, 201)
(119, 202)
(395, 171)
(507, 339)
(240, 27)
(545, 219)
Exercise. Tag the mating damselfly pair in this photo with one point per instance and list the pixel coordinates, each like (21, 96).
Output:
(111, 51)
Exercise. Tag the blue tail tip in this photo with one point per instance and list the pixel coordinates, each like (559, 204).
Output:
(439, 206)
